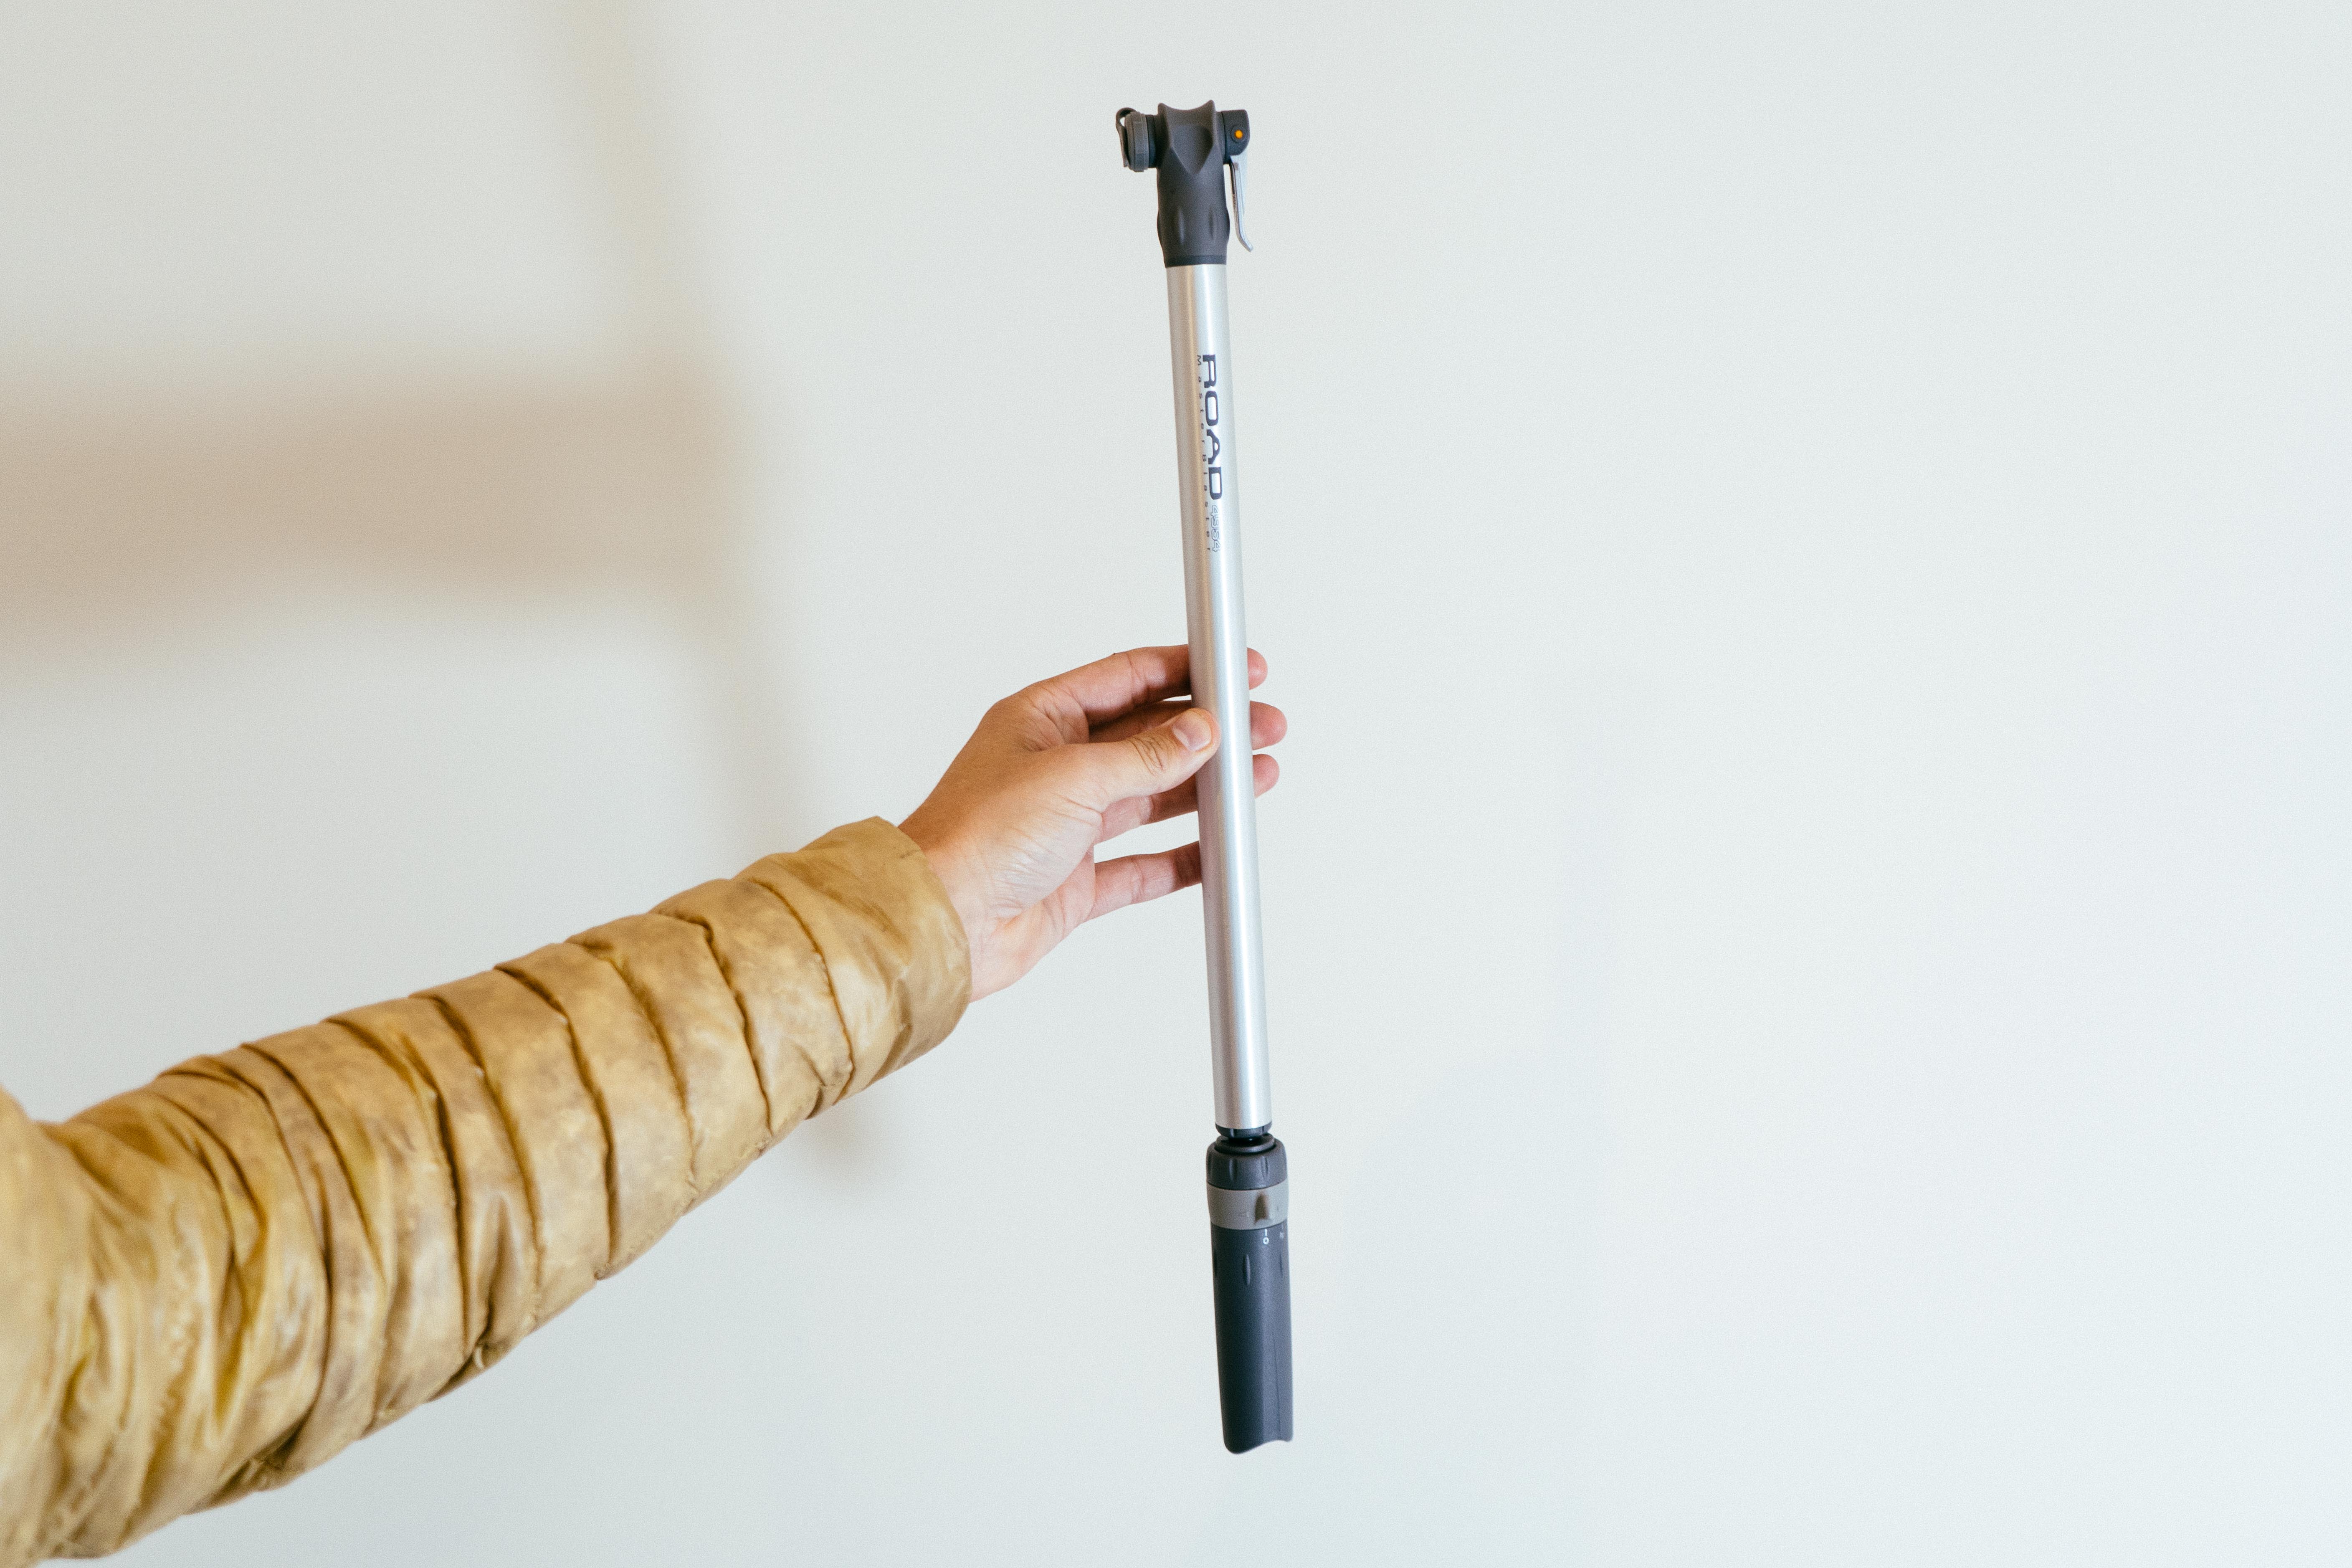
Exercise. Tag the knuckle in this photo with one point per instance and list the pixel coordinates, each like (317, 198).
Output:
(1032, 713)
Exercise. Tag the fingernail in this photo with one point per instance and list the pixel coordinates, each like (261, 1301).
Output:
(1193, 728)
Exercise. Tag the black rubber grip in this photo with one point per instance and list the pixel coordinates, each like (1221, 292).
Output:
(1253, 1287)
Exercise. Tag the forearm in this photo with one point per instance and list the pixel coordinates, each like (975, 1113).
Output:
(266, 1255)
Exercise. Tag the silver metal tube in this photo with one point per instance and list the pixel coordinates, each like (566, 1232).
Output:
(1210, 495)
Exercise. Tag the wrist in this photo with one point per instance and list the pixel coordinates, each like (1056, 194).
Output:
(956, 879)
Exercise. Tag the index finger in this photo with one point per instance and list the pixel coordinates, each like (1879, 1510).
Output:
(1111, 686)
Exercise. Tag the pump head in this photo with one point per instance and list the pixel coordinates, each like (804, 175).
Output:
(1191, 148)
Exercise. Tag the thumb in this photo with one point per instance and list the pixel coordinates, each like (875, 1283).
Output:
(1147, 762)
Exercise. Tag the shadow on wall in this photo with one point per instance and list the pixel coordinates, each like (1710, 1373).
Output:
(618, 482)
(527, 489)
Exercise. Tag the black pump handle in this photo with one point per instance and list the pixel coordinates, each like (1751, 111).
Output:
(1249, 1250)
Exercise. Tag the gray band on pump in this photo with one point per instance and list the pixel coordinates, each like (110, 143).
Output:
(1254, 1209)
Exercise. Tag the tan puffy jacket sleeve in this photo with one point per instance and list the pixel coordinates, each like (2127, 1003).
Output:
(212, 1284)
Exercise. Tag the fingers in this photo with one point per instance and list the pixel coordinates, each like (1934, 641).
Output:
(1111, 686)
(1267, 722)
(1184, 799)
(1139, 878)
(1156, 758)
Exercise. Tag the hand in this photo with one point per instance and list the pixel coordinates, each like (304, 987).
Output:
(1054, 770)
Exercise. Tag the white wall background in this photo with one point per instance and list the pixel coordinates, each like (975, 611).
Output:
(1807, 549)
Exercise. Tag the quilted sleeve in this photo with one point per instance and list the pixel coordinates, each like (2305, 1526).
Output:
(212, 1284)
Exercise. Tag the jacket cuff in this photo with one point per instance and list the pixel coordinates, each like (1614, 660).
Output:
(894, 948)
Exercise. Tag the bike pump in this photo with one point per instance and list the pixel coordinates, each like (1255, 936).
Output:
(1249, 1191)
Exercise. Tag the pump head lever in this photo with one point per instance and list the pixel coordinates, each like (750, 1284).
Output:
(1238, 167)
